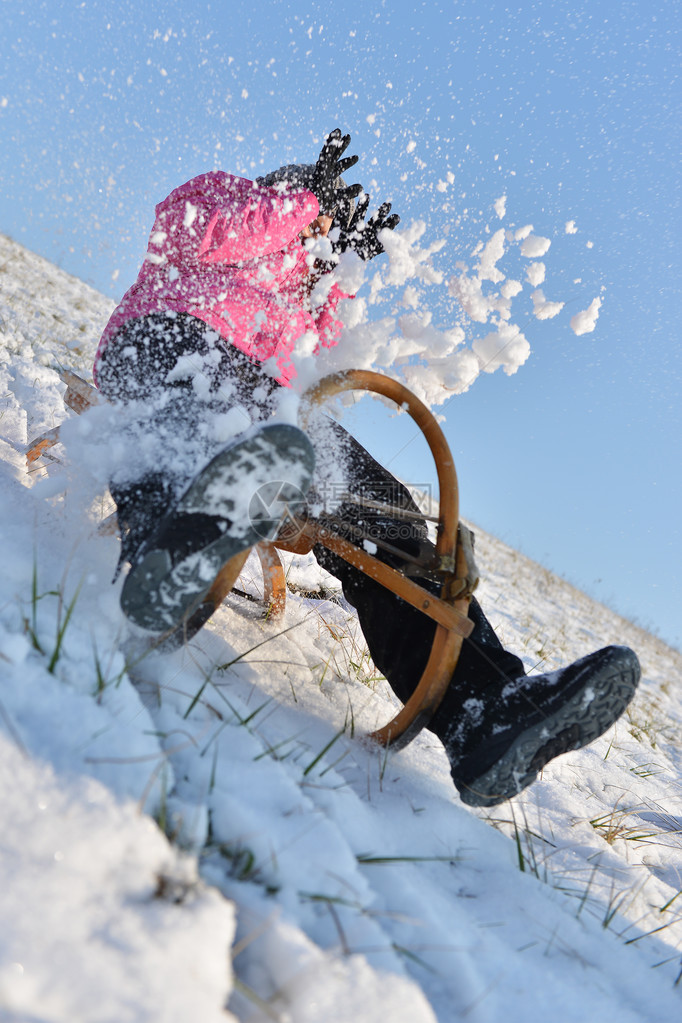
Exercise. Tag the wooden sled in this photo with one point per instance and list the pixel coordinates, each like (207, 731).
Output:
(452, 562)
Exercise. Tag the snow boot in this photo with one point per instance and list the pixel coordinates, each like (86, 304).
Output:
(499, 737)
(241, 497)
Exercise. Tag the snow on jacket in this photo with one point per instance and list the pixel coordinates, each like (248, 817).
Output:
(228, 251)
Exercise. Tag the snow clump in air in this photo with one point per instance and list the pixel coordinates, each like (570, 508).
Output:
(391, 325)
(522, 232)
(535, 274)
(584, 322)
(534, 246)
(543, 309)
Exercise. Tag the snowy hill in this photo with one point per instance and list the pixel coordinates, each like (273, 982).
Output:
(183, 829)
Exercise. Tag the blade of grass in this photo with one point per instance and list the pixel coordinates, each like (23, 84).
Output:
(323, 751)
(61, 631)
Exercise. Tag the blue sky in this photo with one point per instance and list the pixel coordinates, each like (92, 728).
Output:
(571, 110)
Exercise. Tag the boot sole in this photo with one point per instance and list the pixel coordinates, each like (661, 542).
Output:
(590, 711)
(158, 595)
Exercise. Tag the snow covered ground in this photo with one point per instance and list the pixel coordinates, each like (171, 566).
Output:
(189, 831)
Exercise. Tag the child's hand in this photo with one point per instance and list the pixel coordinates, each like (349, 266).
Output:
(328, 170)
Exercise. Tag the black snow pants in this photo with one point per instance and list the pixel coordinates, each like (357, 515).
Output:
(136, 364)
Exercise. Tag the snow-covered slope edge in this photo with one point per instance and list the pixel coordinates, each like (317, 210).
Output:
(361, 885)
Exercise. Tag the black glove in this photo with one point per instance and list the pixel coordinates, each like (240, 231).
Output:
(324, 183)
(359, 235)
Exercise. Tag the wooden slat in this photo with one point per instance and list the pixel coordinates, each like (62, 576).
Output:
(274, 580)
(36, 447)
(79, 395)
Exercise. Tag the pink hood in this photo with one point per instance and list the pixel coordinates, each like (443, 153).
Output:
(228, 251)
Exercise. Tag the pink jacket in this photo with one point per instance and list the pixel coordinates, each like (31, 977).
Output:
(228, 251)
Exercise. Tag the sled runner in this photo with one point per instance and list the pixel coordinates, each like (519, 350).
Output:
(452, 563)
